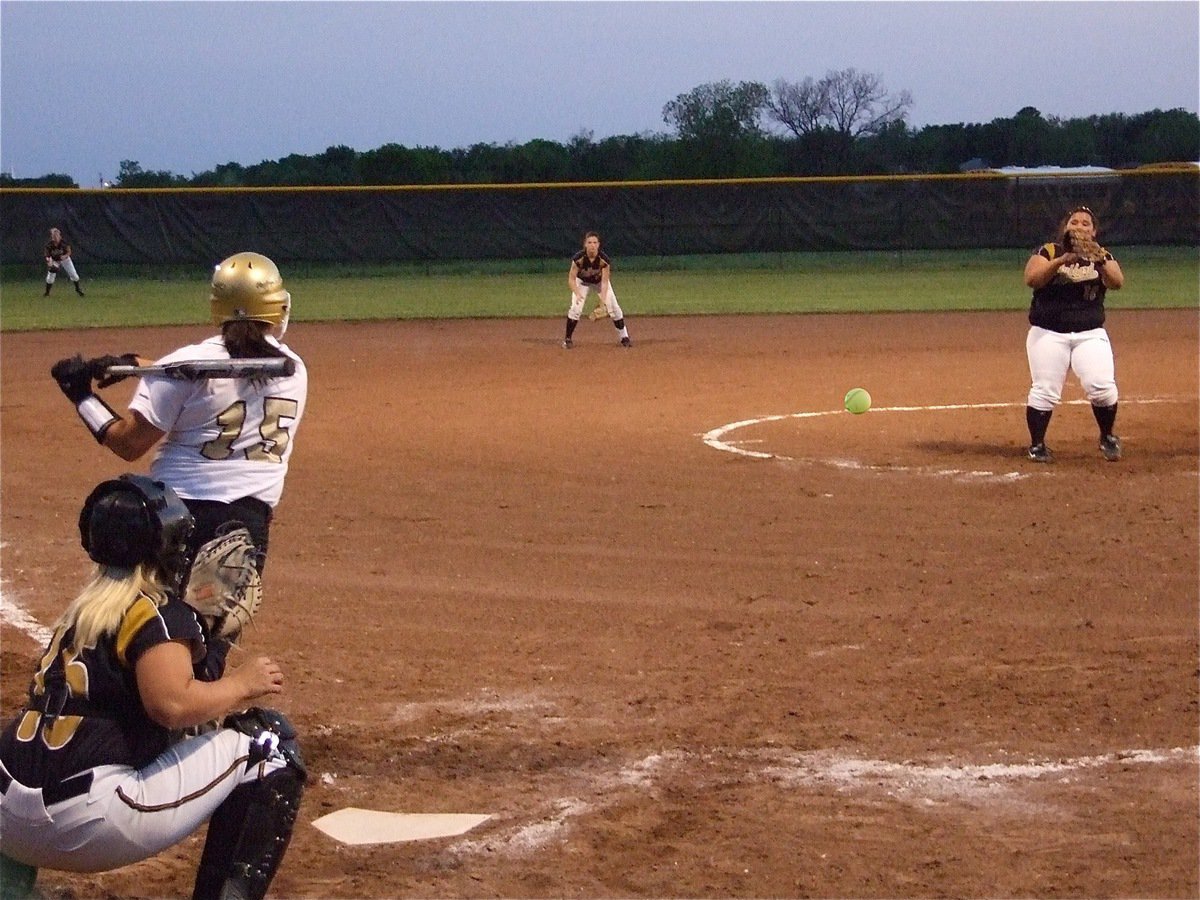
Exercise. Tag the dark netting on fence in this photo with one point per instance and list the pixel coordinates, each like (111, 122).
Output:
(383, 225)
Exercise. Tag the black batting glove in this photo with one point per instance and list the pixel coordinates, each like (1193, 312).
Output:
(99, 368)
(74, 377)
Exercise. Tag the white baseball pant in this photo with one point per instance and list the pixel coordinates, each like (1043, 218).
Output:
(67, 266)
(579, 299)
(1087, 353)
(129, 814)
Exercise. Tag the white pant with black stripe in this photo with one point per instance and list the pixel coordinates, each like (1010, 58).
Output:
(129, 814)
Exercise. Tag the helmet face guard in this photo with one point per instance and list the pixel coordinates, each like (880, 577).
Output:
(134, 519)
(249, 286)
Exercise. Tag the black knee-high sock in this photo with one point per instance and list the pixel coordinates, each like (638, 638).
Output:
(1038, 421)
(619, 323)
(571, 323)
(1106, 416)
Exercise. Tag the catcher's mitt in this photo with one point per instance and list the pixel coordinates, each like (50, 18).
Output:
(1079, 242)
(225, 587)
(600, 311)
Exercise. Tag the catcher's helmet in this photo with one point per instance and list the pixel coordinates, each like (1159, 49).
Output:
(249, 286)
(134, 519)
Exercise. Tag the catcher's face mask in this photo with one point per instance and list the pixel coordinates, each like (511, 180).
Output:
(134, 519)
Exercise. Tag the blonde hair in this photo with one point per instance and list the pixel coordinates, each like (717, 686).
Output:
(98, 608)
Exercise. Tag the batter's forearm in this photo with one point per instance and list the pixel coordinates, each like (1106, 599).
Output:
(131, 438)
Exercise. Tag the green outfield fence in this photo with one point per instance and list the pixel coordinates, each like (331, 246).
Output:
(370, 225)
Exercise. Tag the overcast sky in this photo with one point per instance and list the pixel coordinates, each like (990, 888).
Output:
(187, 86)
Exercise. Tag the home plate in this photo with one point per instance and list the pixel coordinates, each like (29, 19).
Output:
(369, 826)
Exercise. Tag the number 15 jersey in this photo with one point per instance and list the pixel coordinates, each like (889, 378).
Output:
(226, 438)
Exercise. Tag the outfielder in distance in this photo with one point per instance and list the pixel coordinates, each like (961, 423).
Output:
(591, 270)
(58, 256)
(93, 772)
(1070, 276)
(226, 443)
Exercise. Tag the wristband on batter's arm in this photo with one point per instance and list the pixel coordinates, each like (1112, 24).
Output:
(97, 415)
(75, 381)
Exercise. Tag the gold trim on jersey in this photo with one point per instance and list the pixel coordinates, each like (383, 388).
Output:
(140, 612)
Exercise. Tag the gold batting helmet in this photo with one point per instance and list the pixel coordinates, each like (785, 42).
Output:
(249, 286)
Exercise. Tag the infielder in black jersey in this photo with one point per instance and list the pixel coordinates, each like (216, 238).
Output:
(591, 270)
(1066, 317)
(58, 256)
(94, 772)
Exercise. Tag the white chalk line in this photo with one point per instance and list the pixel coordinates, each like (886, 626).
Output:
(715, 438)
(607, 787)
(998, 784)
(14, 613)
(1001, 785)
(923, 783)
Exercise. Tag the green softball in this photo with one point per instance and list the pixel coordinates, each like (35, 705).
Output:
(857, 401)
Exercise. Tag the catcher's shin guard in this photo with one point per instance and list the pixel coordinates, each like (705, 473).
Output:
(247, 838)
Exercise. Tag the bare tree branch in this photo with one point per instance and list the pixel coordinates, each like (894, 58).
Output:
(797, 106)
(858, 104)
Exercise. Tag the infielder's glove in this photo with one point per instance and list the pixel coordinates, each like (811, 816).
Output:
(99, 368)
(1080, 243)
(599, 312)
(225, 587)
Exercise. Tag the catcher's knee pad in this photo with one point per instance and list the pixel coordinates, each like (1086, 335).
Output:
(271, 733)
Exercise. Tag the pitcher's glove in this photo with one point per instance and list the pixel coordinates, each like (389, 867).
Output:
(599, 312)
(1085, 247)
(225, 587)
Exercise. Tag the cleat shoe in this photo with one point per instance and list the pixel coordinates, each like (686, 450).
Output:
(79, 291)
(1041, 453)
(568, 344)
(1110, 446)
(625, 342)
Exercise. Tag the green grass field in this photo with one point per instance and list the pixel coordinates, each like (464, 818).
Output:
(1156, 277)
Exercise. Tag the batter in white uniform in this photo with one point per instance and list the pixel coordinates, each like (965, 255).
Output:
(1066, 318)
(225, 442)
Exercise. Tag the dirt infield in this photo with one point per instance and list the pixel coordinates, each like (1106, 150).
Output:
(685, 629)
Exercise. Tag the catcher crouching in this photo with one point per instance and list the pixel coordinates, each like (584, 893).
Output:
(94, 773)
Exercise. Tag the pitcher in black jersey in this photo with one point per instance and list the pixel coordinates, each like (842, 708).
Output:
(591, 270)
(1066, 318)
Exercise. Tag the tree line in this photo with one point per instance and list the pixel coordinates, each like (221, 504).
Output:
(844, 123)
